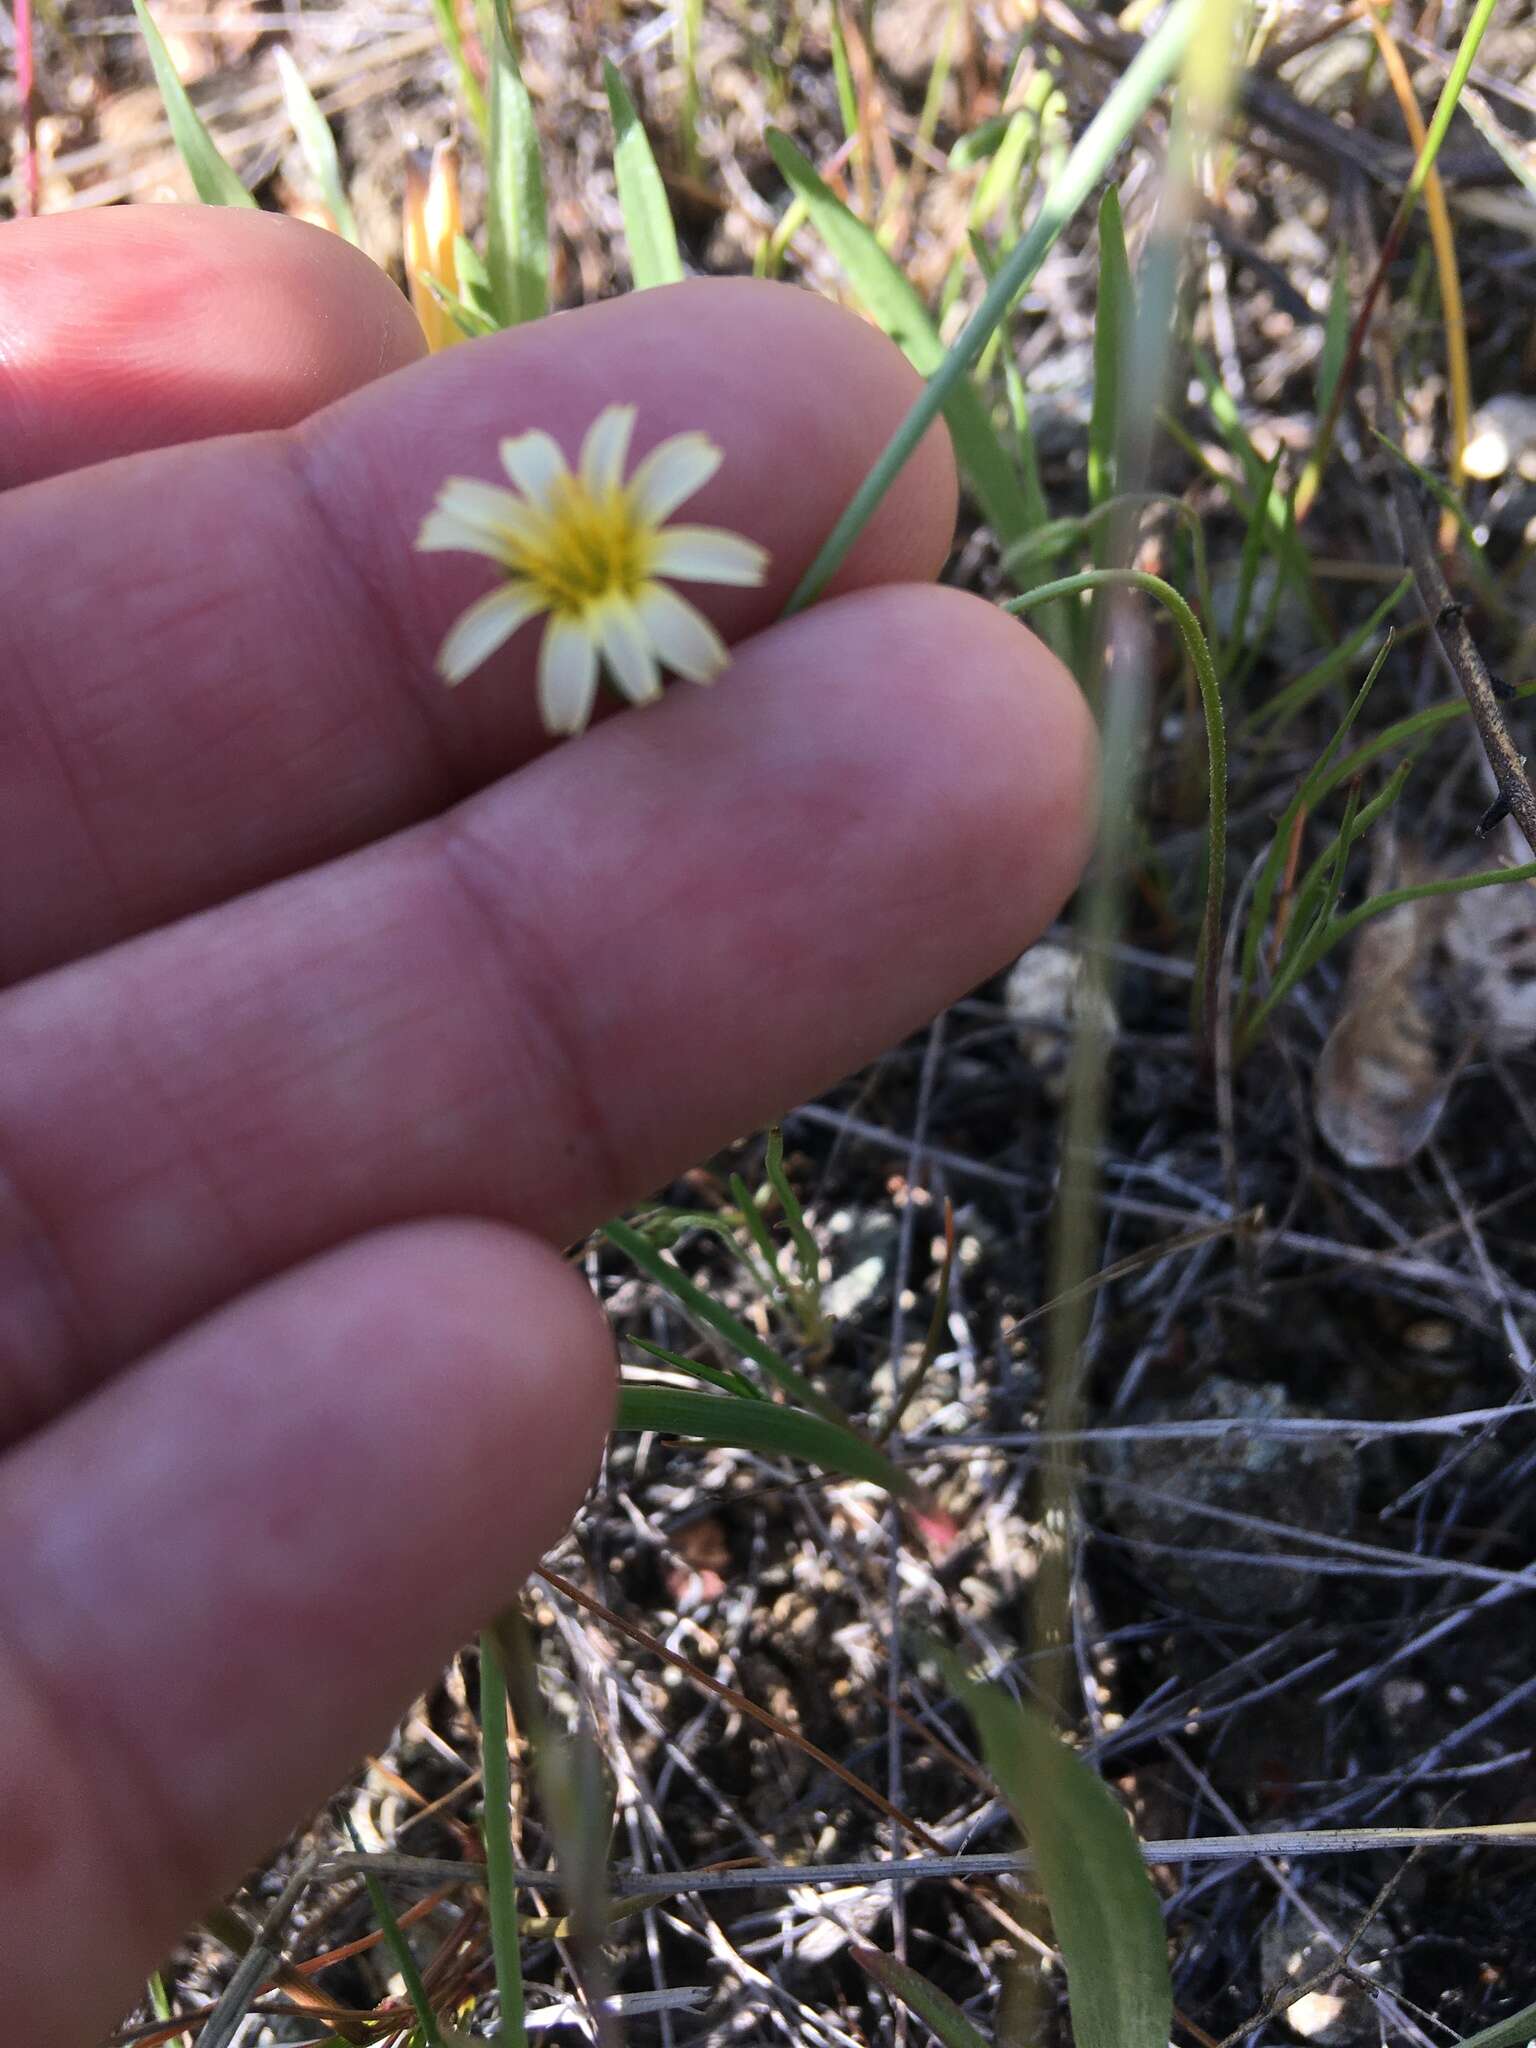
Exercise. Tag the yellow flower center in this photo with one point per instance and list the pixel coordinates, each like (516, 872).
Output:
(590, 548)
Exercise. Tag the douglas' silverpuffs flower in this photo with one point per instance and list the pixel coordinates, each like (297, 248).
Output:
(589, 549)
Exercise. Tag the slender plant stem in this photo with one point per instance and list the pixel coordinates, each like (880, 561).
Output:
(506, 1939)
(1153, 66)
(1215, 738)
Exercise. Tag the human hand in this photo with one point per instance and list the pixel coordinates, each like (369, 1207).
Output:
(336, 1001)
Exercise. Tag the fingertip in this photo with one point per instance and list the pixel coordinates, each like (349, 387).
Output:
(124, 329)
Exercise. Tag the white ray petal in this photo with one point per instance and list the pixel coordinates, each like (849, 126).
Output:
(604, 450)
(491, 508)
(707, 554)
(567, 676)
(627, 650)
(443, 533)
(682, 637)
(484, 627)
(671, 473)
(535, 465)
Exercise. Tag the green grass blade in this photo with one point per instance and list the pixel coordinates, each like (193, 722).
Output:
(653, 251)
(212, 179)
(1143, 79)
(517, 225)
(501, 1881)
(399, 1948)
(761, 1426)
(1198, 650)
(1113, 319)
(702, 1308)
(904, 1986)
(806, 1253)
(1255, 546)
(1103, 1905)
(317, 144)
(446, 14)
(842, 73)
(696, 1369)
(1296, 695)
(1314, 786)
(1322, 884)
(1518, 2031)
(894, 305)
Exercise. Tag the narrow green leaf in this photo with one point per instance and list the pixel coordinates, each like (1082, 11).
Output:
(1297, 694)
(842, 72)
(730, 1329)
(653, 251)
(446, 15)
(1114, 318)
(899, 1981)
(517, 225)
(317, 144)
(501, 1884)
(1313, 787)
(982, 142)
(894, 305)
(212, 179)
(1518, 2031)
(760, 1426)
(399, 1948)
(1103, 1905)
(1144, 78)
(1003, 179)
(696, 1369)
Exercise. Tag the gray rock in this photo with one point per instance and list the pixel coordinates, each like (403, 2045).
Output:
(1310, 1485)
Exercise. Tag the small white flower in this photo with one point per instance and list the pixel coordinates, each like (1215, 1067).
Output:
(588, 550)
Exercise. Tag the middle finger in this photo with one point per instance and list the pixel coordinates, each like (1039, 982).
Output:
(216, 662)
(544, 1004)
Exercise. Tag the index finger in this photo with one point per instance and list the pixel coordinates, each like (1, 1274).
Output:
(219, 659)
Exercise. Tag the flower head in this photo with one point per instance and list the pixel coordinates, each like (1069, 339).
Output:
(589, 550)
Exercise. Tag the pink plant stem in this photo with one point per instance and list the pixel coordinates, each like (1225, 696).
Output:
(25, 86)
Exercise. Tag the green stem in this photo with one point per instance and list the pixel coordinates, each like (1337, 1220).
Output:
(1152, 67)
(506, 1939)
(1215, 738)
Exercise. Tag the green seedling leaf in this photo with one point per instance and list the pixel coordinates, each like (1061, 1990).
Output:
(1296, 695)
(981, 143)
(517, 225)
(891, 302)
(842, 72)
(1314, 786)
(317, 144)
(212, 179)
(905, 1986)
(653, 251)
(501, 1875)
(1114, 319)
(1103, 1905)
(446, 14)
(1003, 179)
(399, 1948)
(468, 318)
(703, 1309)
(761, 1426)
(696, 1369)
